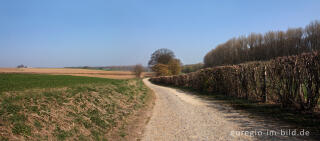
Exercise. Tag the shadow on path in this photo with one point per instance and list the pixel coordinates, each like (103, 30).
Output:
(265, 122)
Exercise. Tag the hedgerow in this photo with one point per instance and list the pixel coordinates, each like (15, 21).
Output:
(292, 81)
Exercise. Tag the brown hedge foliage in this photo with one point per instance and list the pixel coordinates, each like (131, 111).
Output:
(291, 81)
(161, 69)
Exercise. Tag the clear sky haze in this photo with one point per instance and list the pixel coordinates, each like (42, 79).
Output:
(61, 33)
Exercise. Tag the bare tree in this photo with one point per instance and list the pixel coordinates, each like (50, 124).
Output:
(163, 62)
(161, 56)
(137, 70)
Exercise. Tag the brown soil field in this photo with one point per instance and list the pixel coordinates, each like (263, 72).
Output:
(75, 72)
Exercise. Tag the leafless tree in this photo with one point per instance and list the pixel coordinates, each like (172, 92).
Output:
(163, 62)
(161, 56)
(137, 70)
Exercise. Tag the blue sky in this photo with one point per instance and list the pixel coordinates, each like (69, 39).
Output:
(59, 33)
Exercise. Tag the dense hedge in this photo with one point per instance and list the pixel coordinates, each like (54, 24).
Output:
(291, 81)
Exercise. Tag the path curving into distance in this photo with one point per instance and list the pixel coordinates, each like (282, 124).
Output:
(181, 116)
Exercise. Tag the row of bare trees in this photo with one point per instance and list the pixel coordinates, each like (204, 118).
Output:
(257, 47)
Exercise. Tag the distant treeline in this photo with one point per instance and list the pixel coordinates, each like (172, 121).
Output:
(191, 67)
(111, 68)
(257, 47)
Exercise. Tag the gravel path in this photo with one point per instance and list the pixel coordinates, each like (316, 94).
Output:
(179, 116)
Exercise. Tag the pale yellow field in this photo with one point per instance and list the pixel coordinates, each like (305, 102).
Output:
(74, 72)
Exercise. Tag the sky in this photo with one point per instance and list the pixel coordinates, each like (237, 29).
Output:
(64, 33)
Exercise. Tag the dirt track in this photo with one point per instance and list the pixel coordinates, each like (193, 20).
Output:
(179, 116)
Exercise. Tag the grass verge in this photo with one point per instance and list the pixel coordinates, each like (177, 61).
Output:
(53, 107)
